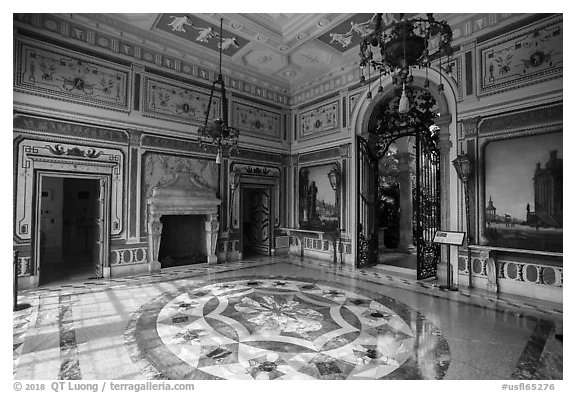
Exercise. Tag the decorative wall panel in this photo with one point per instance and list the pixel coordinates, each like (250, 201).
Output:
(256, 121)
(54, 73)
(36, 154)
(174, 102)
(118, 46)
(128, 256)
(321, 120)
(530, 56)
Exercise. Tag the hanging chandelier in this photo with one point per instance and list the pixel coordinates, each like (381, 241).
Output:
(404, 43)
(216, 132)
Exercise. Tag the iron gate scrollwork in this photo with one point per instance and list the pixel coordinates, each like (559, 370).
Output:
(367, 173)
(426, 211)
(389, 126)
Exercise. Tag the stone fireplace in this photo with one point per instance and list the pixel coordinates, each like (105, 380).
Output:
(174, 201)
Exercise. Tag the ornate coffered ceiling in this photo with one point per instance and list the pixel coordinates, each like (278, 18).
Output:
(288, 50)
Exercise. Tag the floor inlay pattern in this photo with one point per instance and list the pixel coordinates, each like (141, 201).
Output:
(267, 328)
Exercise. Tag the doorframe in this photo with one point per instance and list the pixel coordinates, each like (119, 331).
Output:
(39, 175)
(244, 186)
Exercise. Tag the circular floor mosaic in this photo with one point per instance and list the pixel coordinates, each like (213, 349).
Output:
(283, 329)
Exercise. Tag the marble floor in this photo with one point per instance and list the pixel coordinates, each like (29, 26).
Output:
(280, 318)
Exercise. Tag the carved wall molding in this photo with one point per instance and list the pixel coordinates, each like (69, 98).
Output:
(523, 119)
(67, 157)
(253, 175)
(55, 129)
(319, 155)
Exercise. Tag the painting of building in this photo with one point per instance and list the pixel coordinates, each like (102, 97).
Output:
(529, 213)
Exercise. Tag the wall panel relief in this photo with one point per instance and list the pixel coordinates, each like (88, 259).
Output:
(321, 120)
(178, 172)
(530, 56)
(44, 155)
(173, 102)
(256, 121)
(54, 73)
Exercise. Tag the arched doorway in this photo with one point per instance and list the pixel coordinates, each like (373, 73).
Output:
(398, 178)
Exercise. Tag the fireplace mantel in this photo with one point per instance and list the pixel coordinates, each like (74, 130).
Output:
(166, 201)
(174, 201)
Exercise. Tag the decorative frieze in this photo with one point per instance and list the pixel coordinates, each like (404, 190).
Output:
(78, 131)
(255, 121)
(52, 72)
(321, 120)
(171, 101)
(529, 56)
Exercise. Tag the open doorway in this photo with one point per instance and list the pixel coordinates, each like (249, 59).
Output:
(256, 230)
(70, 218)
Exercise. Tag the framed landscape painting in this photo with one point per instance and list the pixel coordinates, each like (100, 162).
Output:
(523, 192)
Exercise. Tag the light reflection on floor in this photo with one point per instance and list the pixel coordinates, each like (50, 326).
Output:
(274, 319)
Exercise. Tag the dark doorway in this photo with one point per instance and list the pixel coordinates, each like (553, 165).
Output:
(256, 235)
(68, 216)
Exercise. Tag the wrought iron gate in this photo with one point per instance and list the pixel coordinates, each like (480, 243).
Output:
(367, 186)
(425, 197)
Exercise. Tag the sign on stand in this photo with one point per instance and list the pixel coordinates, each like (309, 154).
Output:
(449, 238)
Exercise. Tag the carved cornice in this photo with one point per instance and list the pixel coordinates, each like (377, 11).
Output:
(528, 118)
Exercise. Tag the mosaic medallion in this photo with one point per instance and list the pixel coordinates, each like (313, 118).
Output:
(283, 329)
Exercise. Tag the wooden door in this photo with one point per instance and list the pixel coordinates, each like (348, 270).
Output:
(100, 240)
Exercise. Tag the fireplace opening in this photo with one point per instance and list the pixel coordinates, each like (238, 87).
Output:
(183, 240)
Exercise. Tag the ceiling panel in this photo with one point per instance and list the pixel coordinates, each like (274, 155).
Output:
(200, 32)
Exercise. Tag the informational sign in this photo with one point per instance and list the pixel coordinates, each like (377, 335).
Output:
(447, 237)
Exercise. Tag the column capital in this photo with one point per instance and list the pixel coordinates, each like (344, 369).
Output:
(470, 125)
(135, 137)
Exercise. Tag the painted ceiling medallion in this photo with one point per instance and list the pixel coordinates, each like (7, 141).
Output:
(268, 328)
